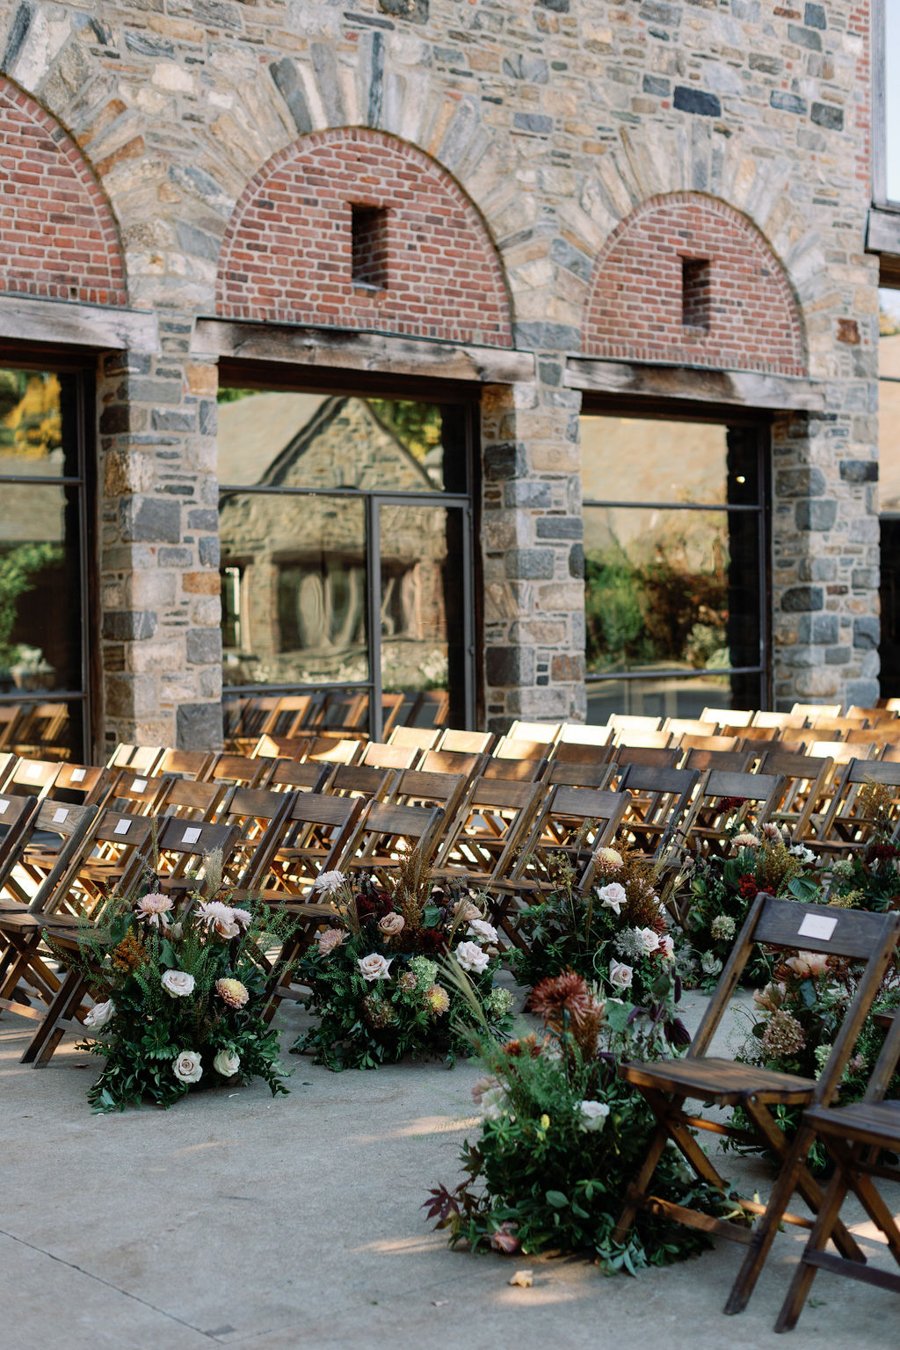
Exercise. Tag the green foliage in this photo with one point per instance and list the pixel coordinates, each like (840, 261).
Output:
(561, 1139)
(418, 1001)
(416, 425)
(18, 569)
(215, 951)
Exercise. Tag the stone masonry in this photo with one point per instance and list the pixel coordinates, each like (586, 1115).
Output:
(552, 128)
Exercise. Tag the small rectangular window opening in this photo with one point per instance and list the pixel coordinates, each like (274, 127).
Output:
(695, 294)
(369, 247)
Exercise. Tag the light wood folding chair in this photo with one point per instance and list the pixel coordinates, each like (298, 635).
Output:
(33, 776)
(667, 1085)
(863, 1140)
(777, 721)
(378, 755)
(282, 747)
(466, 742)
(185, 763)
(240, 770)
(490, 825)
(633, 722)
(421, 738)
(141, 759)
(725, 744)
(735, 717)
(541, 733)
(335, 750)
(42, 731)
(291, 714)
(582, 733)
(723, 798)
(836, 727)
(679, 727)
(138, 794)
(186, 799)
(816, 709)
(10, 717)
(634, 736)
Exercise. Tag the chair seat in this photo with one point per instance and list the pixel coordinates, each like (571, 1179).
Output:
(875, 1123)
(720, 1080)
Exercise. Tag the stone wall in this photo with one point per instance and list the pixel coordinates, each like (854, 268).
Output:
(556, 120)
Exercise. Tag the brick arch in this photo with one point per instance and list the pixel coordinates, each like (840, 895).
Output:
(733, 307)
(287, 251)
(58, 235)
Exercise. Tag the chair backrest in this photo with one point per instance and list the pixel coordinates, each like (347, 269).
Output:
(575, 821)
(420, 738)
(260, 818)
(335, 750)
(723, 797)
(452, 761)
(541, 733)
(659, 756)
(577, 774)
(116, 844)
(852, 934)
(635, 736)
(141, 759)
(658, 800)
(466, 742)
(185, 763)
(241, 769)
(837, 726)
(83, 783)
(724, 744)
(360, 780)
(289, 775)
(817, 709)
(734, 761)
(805, 786)
(578, 752)
(843, 752)
(735, 717)
(690, 726)
(488, 826)
(16, 812)
(378, 755)
(777, 721)
(386, 833)
(190, 800)
(33, 776)
(315, 837)
(415, 787)
(509, 747)
(583, 733)
(633, 722)
(71, 823)
(180, 843)
(520, 770)
(138, 793)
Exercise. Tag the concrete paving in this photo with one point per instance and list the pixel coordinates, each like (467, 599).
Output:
(233, 1219)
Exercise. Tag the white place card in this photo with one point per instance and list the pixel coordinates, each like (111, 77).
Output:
(3, 806)
(122, 827)
(817, 926)
(79, 775)
(60, 815)
(139, 785)
(33, 771)
(191, 835)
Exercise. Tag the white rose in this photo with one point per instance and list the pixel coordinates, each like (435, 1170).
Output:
(493, 1103)
(484, 931)
(326, 882)
(805, 854)
(227, 1063)
(613, 896)
(186, 1066)
(470, 957)
(667, 947)
(593, 1115)
(647, 940)
(375, 967)
(620, 975)
(100, 1014)
(178, 983)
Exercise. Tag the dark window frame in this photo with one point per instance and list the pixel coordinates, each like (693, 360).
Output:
(266, 377)
(683, 411)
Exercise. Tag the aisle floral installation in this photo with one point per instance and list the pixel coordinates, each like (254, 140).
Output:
(397, 972)
(714, 892)
(870, 877)
(614, 934)
(179, 988)
(562, 1136)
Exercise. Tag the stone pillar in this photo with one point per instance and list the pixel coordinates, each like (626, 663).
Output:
(161, 646)
(825, 543)
(532, 551)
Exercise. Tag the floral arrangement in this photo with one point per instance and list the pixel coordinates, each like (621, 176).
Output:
(870, 878)
(614, 935)
(796, 1018)
(398, 971)
(714, 892)
(179, 989)
(562, 1136)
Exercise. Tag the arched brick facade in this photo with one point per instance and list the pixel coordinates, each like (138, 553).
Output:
(58, 238)
(287, 255)
(687, 279)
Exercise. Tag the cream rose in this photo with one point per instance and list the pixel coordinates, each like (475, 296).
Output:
(667, 947)
(593, 1115)
(808, 964)
(186, 1066)
(375, 967)
(178, 983)
(647, 939)
(620, 975)
(470, 957)
(392, 924)
(227, 1063)
(613, 896)
(100, 1014)
(483, 931)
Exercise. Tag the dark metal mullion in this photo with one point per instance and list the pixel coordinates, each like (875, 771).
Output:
(469, 621)
(45, 696)
(644, 674)
(676, 506)
(268, 489)
(85, 562)
(764, 566)
(373, 572)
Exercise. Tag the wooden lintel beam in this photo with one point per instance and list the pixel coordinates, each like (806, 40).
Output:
(346, 350)
(26, 319)
(741, 388)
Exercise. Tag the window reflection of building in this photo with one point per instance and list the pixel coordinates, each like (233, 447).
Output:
(889, 487)
(297, 552)
(675, 590)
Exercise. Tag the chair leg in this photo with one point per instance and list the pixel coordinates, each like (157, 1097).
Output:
(40, 1048)
(805, 1273)
(637, 1191)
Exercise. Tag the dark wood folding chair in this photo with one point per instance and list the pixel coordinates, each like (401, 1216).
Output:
(723, 798)
(185, 763)
(660, 756)
(658, 801)
(805, 790)
(289, 775)
(491, 823)
(385, 833)
(730, 761)
(863, 1140)
(848, 826)
(854, 935)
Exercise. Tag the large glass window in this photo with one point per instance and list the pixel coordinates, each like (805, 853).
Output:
(43, 629)
(889, 487)
(886, 33)
(345, 526)
(674, 540)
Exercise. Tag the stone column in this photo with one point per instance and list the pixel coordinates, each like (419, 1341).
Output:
(532, 551)
(161, 646)
(825, 539)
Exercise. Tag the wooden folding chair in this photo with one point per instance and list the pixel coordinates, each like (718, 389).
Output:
(453, 761)
(816, 710)
(847, 825)
(466, 742)
(658, 801)
(582, 733)
(668, 1084)
(360, 780)
(633, 736)
(730, 761)
(490, 825)
(842, 752)
(288, 775)
(83, 783)
(386, 833)
(185, 763)
(416, 787)
(55, 833)
(574, 822)
(240, 770)
(378, 755)
(420, 738)
(317, 836)
(863, 1140)
(661, 757)
(777, 721)
(15, 821)
(431, 709)
(33, 776)
(8, 762)
(578, 752)
(10, 717)
(540, 733)
(724, 798)
(805, 790)
(259, 816)
(633, 722)
(690, 726)
(335, 750)
(141, 759)
(736, 717)
(560, 772)
(720, 744)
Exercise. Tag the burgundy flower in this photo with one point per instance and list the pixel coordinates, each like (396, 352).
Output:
(748, 887)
